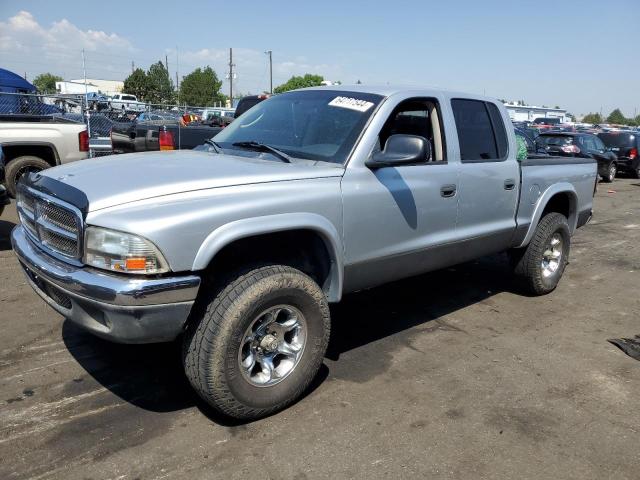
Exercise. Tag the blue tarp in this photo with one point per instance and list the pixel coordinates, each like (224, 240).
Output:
(11, 82)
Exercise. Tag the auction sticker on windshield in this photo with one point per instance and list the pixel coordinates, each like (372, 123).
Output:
(351, 103)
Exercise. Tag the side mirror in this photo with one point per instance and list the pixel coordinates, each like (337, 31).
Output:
(401, 150)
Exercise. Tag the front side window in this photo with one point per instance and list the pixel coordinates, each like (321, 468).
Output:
(319, 125)
(419, 117)
(475, 131)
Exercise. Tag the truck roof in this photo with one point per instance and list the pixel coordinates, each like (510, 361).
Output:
(389, 90)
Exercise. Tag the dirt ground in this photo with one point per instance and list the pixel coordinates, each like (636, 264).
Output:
(454, 374)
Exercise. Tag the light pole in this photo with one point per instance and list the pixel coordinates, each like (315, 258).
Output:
(270, 52)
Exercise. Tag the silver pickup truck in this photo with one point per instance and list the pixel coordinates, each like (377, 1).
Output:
(238, 248)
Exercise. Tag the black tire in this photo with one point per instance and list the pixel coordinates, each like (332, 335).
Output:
(214, 338)
(527, 262)
(611, 173)
(636, 172)
(18, 167)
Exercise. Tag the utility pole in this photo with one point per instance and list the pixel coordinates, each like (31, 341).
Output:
(231, 65)
(177, 82)
(270, 53)
(166, 62)
(133, 66)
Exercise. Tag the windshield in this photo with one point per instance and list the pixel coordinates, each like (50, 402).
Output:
(311, 124)
(617, 139)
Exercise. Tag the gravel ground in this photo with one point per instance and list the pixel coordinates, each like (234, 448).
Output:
(448, 375)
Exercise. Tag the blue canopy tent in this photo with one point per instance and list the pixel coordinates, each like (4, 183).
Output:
(13, 83)
(23, 103)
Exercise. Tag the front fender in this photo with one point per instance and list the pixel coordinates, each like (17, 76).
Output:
(248, 227)
(543, 200)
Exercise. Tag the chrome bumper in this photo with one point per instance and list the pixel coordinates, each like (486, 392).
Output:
(115, 307)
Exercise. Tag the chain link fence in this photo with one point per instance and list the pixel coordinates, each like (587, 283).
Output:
(114, 124)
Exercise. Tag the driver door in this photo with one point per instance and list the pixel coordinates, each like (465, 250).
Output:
(397, 219)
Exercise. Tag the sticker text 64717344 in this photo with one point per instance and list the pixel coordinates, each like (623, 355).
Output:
(351, 103)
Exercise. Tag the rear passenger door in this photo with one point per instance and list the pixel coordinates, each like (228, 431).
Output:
(489, 178)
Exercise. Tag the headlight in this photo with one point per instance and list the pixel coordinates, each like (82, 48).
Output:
(122, 252)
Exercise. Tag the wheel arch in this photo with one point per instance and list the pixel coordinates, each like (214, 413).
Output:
(275, 229)
(561, 198)
(45, 150)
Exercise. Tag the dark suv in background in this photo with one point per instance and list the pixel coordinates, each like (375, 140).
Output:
(625, 145)
(587, 145)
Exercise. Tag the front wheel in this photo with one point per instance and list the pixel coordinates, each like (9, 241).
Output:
(540, 264)
(259, 343)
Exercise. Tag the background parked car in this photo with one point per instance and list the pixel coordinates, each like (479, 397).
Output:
(571, 144)
(546, 121)
(625, 145)
(532, 147)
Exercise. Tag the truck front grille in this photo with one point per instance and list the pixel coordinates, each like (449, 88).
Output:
(53, 225)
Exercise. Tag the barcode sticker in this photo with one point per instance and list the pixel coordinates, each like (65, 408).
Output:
(351, 103)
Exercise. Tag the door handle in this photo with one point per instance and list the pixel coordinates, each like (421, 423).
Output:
(509, 184)
(448, 191)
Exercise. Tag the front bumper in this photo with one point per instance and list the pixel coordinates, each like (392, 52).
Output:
(119, 308)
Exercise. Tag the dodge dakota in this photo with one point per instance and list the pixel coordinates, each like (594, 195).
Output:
(238, 249)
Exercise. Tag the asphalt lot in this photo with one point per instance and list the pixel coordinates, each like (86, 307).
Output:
(449, 375)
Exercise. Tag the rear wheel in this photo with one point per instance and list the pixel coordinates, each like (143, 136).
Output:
(540, 264)
(19, 167)
(259, 342)
(611, 173)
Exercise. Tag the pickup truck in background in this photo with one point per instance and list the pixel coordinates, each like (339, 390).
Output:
(34, 142)
(126, 103)
(238, 249)
(150, 131)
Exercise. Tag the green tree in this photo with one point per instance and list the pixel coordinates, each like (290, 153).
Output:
(616, 117)
(201, 88)
(137, 84)
(46, 82)
(592, 118)
(295, 82)
(160, 84)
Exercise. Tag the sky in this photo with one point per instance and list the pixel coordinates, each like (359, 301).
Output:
(580, 55)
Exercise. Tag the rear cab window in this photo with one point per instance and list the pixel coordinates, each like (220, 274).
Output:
(481, 132)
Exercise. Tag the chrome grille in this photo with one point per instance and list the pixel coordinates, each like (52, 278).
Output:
(55, 226)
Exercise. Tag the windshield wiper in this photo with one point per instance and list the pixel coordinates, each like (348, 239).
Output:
(263, 147)
(216, 147)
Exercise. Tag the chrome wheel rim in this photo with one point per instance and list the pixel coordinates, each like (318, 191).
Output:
(612, 172)
(552, 256)
(273, 345)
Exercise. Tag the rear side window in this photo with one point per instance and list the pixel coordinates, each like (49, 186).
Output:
(476, 132)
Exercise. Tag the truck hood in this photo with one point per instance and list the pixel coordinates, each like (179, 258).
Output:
(120, 179)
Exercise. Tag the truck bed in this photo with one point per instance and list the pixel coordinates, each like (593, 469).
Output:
(128, 138)
(540, 173)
